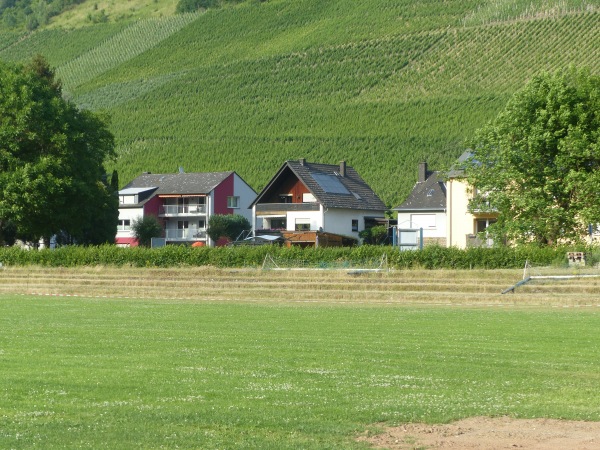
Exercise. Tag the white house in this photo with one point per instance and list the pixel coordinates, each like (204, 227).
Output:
(425, 207)
(321, 198)
(183, 203)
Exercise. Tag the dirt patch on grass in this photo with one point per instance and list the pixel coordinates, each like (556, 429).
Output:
(491, 434)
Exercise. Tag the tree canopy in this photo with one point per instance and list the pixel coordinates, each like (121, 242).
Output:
(538, 162)
(146, 228)
(31, 13)
(51, 160)
(230, 226)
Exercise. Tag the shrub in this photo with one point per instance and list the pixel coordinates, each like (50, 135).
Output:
(431, 257)
(145, 229)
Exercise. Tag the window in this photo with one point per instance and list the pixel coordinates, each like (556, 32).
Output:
(482, 224)
(285, 198)
(278, 224)
(183, 224)
(302, 225)
(329, 183)
(124, 225)
(233, 202)
(127, 199)
(201, 224)
(354, 224)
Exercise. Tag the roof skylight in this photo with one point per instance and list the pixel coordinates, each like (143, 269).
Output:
(330, 183)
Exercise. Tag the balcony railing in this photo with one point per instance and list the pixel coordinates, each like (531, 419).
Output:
(185, 234)
(474, 240)
(271, 208)
(183, 210)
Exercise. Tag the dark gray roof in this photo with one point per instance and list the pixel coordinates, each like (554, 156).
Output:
(180, 183)
(330, 188)
(458, 169)
(428, 195)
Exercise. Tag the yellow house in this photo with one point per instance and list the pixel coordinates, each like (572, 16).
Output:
(462, 225)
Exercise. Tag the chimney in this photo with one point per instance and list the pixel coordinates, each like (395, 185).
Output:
(302, 161)
(343, 168)
(422, 172)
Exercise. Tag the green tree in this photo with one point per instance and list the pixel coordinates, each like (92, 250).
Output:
(146, 228)
(230, 226)
(51, 160)
(8, 233)
(538, 163)
(114, 181)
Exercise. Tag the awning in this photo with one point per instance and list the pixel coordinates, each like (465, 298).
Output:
(180, 195)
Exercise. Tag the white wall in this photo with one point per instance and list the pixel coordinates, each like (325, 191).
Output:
(339, 221)
(315, 217)
(130, 214)
(413, 220)
(246, 195)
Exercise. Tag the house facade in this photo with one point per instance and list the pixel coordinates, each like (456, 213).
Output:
(439, 205)
(183, 203)
(307, 198)
(425, 207)
(465, 228)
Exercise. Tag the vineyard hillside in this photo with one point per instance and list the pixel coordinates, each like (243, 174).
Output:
(382, 84)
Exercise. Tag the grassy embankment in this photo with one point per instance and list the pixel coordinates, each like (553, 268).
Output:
(243, 359)
(380, 84)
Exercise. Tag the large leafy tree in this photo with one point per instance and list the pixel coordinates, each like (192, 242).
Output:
(51, 160)
(538, 163)
(230, 226)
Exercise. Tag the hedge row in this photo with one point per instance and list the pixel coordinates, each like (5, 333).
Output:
(432, 257)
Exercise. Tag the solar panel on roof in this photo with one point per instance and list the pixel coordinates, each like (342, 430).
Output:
(330, 183)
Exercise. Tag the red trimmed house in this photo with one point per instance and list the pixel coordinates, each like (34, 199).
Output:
(317, 204)
(183, 203)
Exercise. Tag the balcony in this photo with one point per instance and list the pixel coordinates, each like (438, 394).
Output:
(190, 234)
(283, 208)
(475, 240)
(182, 210)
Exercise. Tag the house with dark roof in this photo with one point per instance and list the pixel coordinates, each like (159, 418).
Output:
(425, 207)
(304, 199)
(440, 205)
(183, 203)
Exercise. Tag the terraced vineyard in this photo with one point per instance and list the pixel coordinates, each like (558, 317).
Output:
(443, 287)
(382, 84)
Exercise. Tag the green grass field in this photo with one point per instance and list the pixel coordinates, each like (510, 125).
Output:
(115, 372)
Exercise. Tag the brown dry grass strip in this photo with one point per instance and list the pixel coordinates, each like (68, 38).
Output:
(444, 287)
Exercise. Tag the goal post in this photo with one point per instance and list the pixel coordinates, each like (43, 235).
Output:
(368, 265)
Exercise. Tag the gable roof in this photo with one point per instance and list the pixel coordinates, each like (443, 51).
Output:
(180, 183)
(428, 195)
(330, 188)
